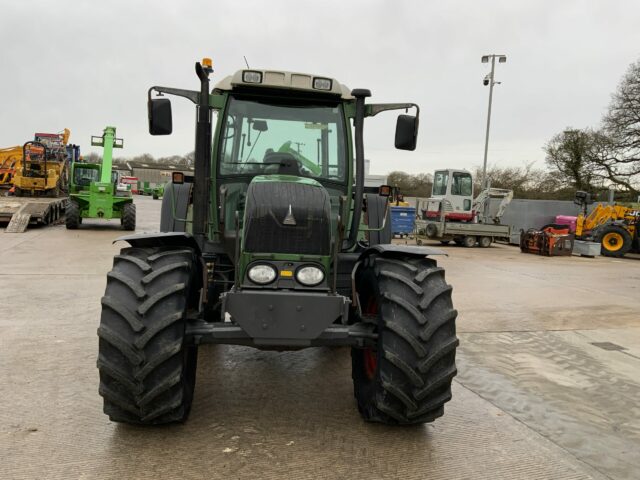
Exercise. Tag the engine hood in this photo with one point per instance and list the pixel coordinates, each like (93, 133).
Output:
(287, 214)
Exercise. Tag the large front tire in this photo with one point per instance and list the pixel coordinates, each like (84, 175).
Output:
(407, 378)
(72, 215)
(615, 241)
(129, 216)
(147, 369)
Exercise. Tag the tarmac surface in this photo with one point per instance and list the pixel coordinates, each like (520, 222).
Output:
(548, 383)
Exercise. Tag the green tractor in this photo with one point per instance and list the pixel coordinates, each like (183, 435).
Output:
(275, 243)
(154, 190)
(94, 191)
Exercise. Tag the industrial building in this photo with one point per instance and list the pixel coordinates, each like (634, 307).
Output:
(154, 173)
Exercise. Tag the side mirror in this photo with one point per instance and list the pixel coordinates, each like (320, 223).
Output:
(406, 132)
(160, 121)
(384, 190)
(177, 178)
(260, 125)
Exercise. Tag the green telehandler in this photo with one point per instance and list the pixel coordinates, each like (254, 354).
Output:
(94, 191)
(155, 191)
(260, 248)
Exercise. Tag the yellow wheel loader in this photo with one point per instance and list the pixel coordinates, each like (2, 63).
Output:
(615, 227)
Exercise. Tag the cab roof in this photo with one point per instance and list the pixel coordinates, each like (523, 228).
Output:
(280, 79)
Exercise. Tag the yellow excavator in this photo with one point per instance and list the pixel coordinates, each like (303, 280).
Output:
(10, 160)
(615, 227)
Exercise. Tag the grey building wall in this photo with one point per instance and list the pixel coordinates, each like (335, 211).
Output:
(155, 175)
(524, 214)
(152, 175)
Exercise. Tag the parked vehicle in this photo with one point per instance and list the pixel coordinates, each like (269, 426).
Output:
(615, 227)
(94, 190)
(131, 183)
(452, 212)
(270, 246)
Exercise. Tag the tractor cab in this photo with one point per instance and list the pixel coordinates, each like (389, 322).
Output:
(83, 175)
(451, 196)
(273, 146)
(34, 162)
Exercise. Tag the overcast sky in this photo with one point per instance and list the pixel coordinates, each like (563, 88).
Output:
(85, 64)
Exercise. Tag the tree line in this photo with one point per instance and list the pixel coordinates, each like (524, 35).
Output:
(178, 160)
(594, 158)
(590, 159)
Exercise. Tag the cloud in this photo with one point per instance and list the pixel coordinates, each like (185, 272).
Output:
(85, 65)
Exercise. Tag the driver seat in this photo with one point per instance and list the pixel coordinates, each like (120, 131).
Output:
(287, 163)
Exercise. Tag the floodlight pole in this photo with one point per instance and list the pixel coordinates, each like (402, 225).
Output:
(492, 82)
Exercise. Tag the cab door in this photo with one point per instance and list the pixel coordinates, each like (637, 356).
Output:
(460, 194)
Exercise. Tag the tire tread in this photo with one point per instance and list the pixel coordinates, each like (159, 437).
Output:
(417, 341)
(146, 367)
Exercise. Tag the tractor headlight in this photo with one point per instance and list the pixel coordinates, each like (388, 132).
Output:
(262, 274)
(250, 76)
(309, 275)
(322, 83)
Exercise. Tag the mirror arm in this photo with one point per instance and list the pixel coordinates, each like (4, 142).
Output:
(192, 95)
(375, 108)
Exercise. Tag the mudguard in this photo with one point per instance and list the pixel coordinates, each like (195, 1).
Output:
(167, 239)
(390, 249)
(376, 209)
(175, 205)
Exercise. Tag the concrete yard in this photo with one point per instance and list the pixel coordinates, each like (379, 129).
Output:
(548, 384)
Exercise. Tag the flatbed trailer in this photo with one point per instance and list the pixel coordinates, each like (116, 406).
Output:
(20, 212)
(463, 233)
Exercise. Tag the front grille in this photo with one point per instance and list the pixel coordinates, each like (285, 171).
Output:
(269, 204)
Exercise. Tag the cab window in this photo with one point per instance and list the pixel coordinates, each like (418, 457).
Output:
(462, 184)
(440, 181)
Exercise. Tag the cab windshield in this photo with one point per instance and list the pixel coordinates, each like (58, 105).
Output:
(84, 176)
(273, 138)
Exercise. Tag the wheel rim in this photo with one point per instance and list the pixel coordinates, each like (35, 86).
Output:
(370, 355)
(613, 241)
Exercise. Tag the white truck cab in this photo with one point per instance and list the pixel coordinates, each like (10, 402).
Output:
(452, 194)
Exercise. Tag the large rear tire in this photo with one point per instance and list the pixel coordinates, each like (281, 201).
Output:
(485, 242)
(407, 378)
(129, 216)
(469, 241)
(72, 215)
(147, 369)
(615, 241)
